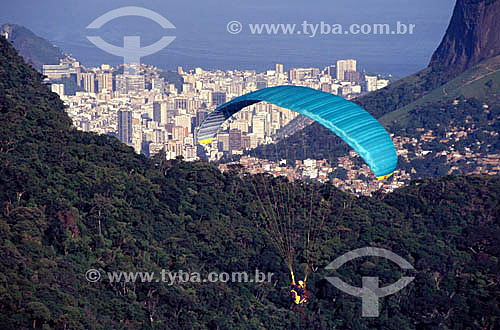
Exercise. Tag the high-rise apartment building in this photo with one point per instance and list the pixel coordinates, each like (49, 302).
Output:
(344, 66)
(259, 125)
(181, 103)
(129, 83)
(234, 139)
(370, 83)
(58, 89)
(200, 117)
(297, 74)
(184, 121)
(135, 83)
(158, 84)
(125, 126)
(88, 82)
(157, 112)
(223, 141)
(179, 133)
(158, 136)
(160, 113)
(104, 82)
(218, 98)
(352, 76)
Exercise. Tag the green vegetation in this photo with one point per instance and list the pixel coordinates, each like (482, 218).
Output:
(71, 201)
(400, 93)
(481, 82)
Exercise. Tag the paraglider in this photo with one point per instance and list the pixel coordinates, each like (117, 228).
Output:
(282, 206)
(347, 120)
(294, 217)
(298, 293)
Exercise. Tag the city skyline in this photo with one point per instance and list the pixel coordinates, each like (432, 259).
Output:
(150, 114)
(154, 100)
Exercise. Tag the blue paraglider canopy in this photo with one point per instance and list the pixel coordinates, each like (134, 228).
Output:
(350, 122)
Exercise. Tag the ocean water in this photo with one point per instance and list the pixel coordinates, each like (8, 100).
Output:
(202, 39)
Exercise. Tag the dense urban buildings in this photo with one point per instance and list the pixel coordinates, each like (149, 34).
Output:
(150, 113)
(125, 126)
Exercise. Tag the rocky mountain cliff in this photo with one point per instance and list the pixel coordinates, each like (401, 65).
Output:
(472, 36)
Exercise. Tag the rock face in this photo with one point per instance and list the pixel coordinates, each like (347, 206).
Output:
(472, 36)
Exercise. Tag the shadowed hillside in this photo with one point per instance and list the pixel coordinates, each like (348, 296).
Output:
(35, 50)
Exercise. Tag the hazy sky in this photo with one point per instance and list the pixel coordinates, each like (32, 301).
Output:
(202, 38)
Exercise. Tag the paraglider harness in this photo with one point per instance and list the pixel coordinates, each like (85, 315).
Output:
(298, 292)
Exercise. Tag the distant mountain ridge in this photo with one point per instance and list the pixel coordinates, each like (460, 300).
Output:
(34, 49)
